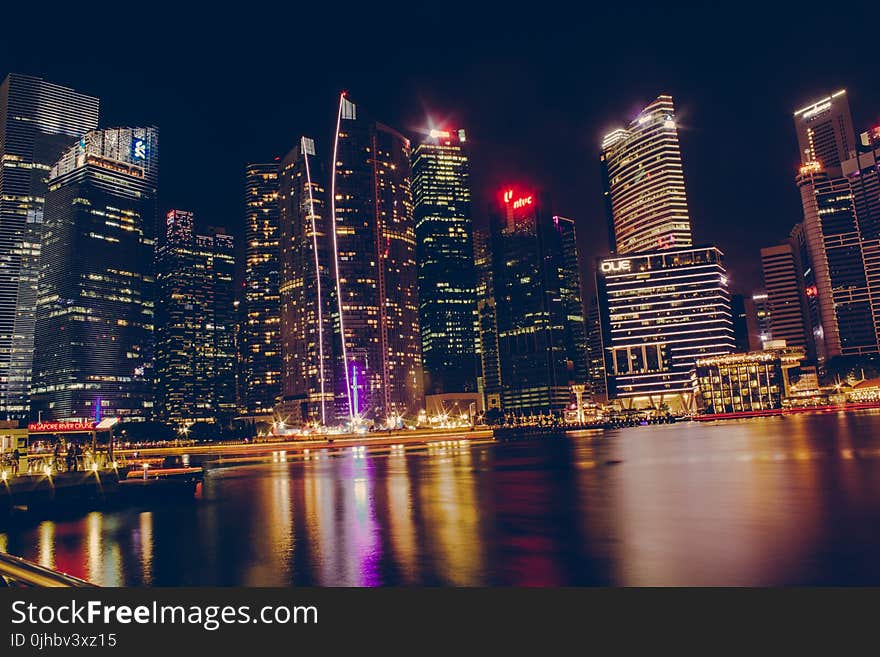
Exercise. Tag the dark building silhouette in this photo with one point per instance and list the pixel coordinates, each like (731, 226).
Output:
(541, 345)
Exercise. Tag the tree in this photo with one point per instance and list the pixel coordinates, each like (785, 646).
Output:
(493, 417)
(851, 369)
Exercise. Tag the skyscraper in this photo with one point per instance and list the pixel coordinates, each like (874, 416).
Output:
(596, 353)
(825, 131)
(662, 302)
(93, 351)
(786, 297)
(644, 183)
(833, 230)
(260, 341)
(798, 240)
(376, 278)
(541, 343)
(38, 121)
(486, 327)
(195, 323)
(308, 292)
(862, 170)
(757, 310)
(661, 311)
(445, 256)
(570, 291)
(740, 322)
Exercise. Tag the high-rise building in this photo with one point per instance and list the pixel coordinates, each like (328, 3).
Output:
(195, 323)
(569, 273)
(260, 344)
(596, 353)
(445, 256)
(38, 121)
(825, 131)
(644, 183)
(661, 311)
(740, 322)
(757, 310)
(308, 291)
(489, 380)
(662, 302)
(93, 351)
(816, 344)
(374, 248)
(786, 297)
(541, 343)
(832, 231)
(863, 173)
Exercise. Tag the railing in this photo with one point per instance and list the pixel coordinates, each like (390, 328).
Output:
(15, 571)
(46, 463)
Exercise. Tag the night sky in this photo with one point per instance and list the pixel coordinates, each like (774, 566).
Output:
(535, 86)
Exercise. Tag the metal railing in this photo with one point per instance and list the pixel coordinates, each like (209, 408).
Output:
(15, 571)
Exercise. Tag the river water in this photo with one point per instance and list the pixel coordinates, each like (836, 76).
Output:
(770, 501)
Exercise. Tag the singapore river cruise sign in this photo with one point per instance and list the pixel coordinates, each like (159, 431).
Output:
(60, 427)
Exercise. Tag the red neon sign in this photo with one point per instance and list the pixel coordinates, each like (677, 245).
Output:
(60, 427)
(520, 202)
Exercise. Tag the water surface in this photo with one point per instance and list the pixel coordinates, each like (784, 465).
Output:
(771, 501)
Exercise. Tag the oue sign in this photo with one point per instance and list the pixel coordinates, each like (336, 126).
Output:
(611, 266)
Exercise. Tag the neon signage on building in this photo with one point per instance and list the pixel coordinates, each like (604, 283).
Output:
(610, 266)
(520, 202)
(60, 427)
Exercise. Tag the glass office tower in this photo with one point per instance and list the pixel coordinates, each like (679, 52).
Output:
(374, 247)
(38, 121)
(93, 351)
(445, 256)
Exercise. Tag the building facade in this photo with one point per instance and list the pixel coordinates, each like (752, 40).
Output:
(308, 292)
(195, 323)
(260, 333)
(540, 341)
(786, 297)
(374, 248)
(489, 380)
(39, 120)
(757, 309)
(596, 353)
(569, 273)
(662, 311)
(840, 255)
(752, 381)
(644, 183)
(93, 351)
(445, 257)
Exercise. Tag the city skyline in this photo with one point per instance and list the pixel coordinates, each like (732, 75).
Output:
(552, 120)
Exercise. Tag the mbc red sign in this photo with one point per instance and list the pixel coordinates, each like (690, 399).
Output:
(60, 427)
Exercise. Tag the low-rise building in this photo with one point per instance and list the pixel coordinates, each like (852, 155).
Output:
(751, 381)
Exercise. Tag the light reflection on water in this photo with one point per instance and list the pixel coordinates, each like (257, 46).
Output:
(763, 502)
